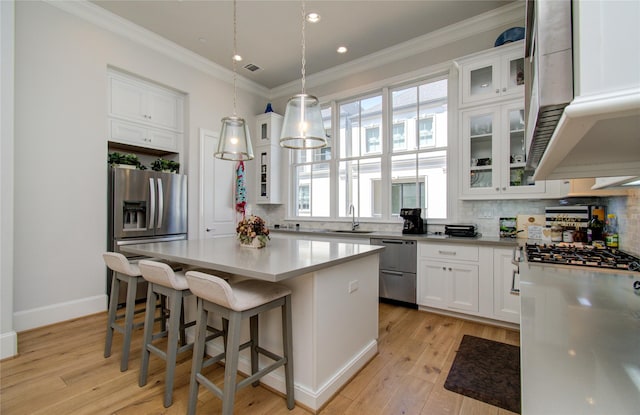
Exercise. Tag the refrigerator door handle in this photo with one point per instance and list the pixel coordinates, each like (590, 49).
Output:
(160, 203)
(152, 203)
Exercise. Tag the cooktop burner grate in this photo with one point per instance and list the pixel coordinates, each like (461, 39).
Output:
(582, 256)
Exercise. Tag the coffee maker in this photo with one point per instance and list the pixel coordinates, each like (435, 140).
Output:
(413, 223)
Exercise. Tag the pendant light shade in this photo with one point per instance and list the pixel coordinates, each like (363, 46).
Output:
(235, 142)
(303, 127)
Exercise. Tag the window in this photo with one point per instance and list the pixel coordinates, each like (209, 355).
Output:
(399, 138)
(402, 128)
(373, 139)
(311, 177)
(422, 160)
(360, 122)
(406, 195)
(303, 198)
(425, 132)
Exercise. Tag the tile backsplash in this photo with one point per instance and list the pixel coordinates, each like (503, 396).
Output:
(627, 209)
(486, 214)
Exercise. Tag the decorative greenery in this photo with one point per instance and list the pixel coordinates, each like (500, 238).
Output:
(165, 165)
(252, 227)
(116, 158)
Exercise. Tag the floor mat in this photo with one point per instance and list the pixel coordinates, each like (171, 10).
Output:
(488, 371)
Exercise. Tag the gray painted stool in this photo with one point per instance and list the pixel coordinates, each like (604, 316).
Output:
(246, 299)
(163, 281)
(123, 271)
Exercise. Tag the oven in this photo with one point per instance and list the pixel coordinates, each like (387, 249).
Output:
(398, 264)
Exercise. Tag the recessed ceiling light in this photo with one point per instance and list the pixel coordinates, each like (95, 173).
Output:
(313, 17)
(237, 58)
(342, 49)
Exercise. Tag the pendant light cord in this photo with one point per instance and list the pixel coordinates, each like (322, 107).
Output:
(304, 49)
(233, 58)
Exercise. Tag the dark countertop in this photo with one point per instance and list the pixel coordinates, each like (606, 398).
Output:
(478, 240)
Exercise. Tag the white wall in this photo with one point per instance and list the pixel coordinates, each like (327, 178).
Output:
(61, 149)
(8, 338)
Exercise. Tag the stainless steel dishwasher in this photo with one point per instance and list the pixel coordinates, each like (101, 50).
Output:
(398, 264)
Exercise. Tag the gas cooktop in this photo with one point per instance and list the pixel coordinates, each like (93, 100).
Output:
(582, 255)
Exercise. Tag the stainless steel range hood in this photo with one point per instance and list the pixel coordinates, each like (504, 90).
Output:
(598, 133)
(548, 72)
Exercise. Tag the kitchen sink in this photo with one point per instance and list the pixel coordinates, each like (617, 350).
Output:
(349, 231)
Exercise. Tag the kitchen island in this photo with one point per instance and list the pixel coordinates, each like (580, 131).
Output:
(580, 340)
(334, 303)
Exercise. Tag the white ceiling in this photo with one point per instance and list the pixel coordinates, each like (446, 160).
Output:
(269, 32)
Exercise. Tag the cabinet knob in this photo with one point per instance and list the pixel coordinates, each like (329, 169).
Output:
(504, 188)
(444, 268)
(497, 91)
(497, 189)
(449, 268)
(209, 229)
(504, 89)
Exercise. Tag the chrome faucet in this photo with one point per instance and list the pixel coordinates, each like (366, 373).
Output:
(352, 212)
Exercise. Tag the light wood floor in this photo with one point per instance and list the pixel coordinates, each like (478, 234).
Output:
(61, 370)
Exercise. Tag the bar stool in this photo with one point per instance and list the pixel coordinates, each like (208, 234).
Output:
(246, 299)
(163, 281)
(123, 271)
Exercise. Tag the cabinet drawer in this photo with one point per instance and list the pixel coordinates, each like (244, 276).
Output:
(449, 252)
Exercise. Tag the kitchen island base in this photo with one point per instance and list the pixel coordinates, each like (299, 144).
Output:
(335, 330)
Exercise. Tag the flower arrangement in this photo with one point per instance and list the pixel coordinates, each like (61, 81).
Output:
(253, 232)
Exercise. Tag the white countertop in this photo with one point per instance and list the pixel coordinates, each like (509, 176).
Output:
(283, 257)
(580, 341)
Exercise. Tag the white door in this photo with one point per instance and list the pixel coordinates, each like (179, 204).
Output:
(217, 182)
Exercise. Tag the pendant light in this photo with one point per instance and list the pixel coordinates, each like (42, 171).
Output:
(235, 141)
(302, 127)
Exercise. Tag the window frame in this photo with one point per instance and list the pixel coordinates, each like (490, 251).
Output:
(440, 72)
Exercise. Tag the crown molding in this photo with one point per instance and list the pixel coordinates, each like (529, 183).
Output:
(511, 13)
(116, 24)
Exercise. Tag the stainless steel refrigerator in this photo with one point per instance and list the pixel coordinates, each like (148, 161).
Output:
(144, 206)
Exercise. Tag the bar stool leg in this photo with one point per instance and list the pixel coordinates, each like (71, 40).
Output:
(111, 317)
(183, 332)
(287, 346)
(231, 362)
(132, 283)
(198, 355)
(175, 313)
(253, 330)
(149, 319)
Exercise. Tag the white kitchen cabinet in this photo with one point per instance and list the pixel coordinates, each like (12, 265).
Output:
(268, 187)
(494, 153)
(490, 75)
(268, 128)
(268, 155)
(506, 306)
(143, 136)
(448, 277)
(142, 102)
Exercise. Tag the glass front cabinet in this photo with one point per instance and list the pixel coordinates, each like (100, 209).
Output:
(499, 74)
(494, 155)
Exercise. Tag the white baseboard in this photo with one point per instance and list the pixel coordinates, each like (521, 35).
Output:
(312, 399)
(8, 344)
(55, 313)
